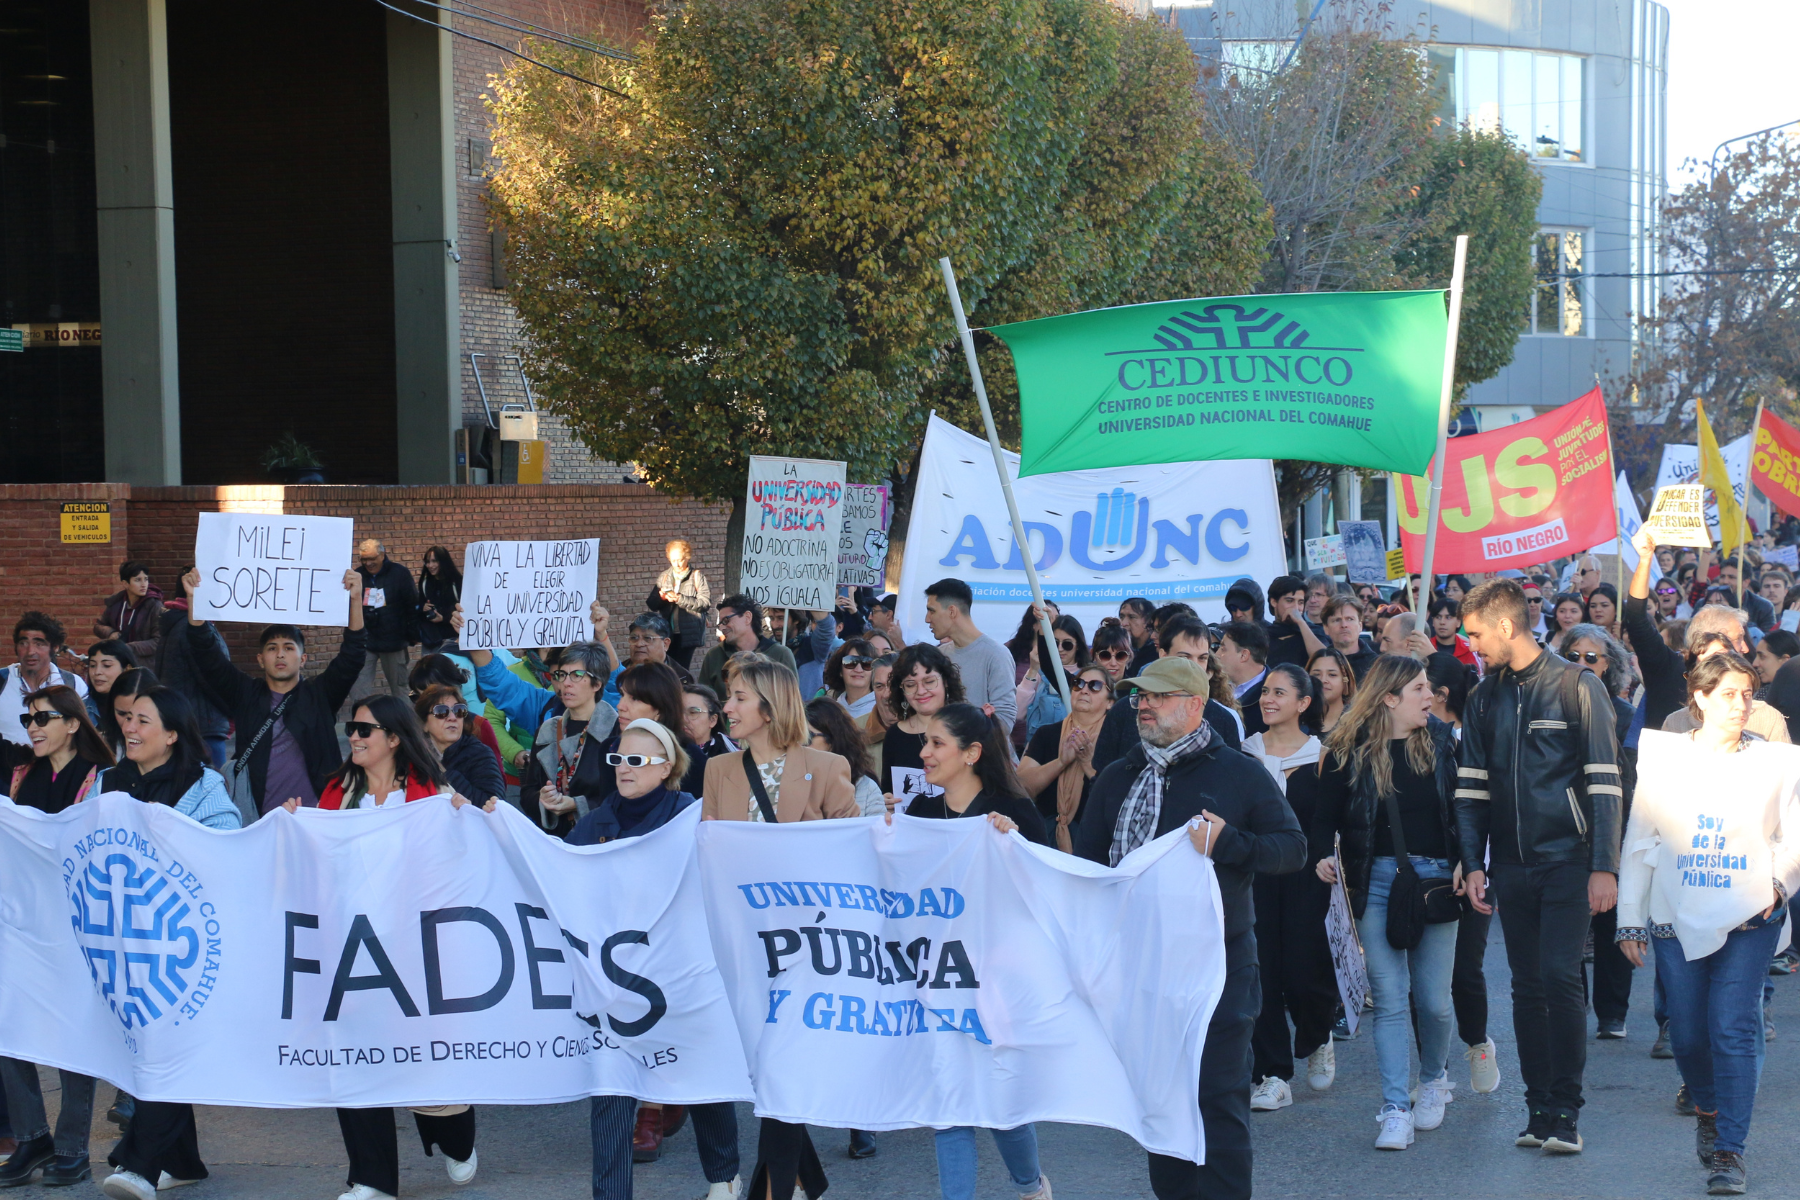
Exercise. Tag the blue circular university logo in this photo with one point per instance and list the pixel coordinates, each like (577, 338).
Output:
(151, 944)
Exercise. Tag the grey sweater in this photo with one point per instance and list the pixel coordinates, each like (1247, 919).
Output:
(987, 677)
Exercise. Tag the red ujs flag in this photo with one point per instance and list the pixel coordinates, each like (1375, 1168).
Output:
(1775, 462)
(1520, 495)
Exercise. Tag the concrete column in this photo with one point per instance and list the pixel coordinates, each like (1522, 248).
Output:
(427, 327)
(139, 364)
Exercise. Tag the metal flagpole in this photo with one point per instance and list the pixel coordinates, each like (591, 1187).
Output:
(1744, 508)
(1422, 594)
(1012, 506)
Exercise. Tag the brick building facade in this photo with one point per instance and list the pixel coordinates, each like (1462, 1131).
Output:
(157, 525)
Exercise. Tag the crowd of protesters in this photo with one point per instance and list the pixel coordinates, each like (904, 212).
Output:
(1433, 760)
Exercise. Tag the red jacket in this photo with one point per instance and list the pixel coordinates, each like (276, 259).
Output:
(417, 788)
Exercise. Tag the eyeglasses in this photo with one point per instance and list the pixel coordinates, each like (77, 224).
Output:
(909, 686)
(698, 712)
(1113, 655)
(858, 660)
(1089, 685)
(726, 614)
(362, 729)
(644, 639)
(559, 676)
(41, 718)
(1157, 699)
(449, 710)
(635, 760)
(1065, 644)
(1589, 657)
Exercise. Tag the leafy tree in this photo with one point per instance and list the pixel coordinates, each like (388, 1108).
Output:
(737, 255)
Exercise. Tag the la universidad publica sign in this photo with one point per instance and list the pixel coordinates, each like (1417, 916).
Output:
(793, 522)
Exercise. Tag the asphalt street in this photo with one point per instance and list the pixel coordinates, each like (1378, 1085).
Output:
(1637, 1147)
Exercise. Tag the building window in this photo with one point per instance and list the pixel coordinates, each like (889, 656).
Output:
(1537, 99)
(1559, 301)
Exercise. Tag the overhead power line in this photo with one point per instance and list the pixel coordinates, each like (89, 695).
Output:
(507, 49)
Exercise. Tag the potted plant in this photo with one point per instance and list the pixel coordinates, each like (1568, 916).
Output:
(290, 460)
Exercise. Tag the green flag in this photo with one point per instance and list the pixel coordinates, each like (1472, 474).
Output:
(1336, 377)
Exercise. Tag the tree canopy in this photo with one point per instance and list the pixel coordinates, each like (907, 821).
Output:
(738, 254)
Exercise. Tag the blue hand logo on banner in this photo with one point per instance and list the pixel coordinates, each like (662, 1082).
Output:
(142, 940)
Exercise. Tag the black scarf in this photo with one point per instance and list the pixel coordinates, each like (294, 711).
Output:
(631, 813)
(161, 786)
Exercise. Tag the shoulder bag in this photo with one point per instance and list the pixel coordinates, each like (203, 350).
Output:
(1414, 903)
(242, 793)
(757, 789)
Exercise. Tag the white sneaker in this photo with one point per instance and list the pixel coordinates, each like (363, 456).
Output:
(166, 1181)
(128, 1185)
(1396, 1128)
(1428, 1112)
(363, 1191)
(1484, 1068)
(1321, 1067)
(1042, 1192)
(461, 1172)
(1271, 1094)
(724, 1191)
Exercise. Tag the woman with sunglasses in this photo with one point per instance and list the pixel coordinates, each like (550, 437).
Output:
(165, 763)
(1670, 605)
(470, 767)
(1334, 684)
(1058, 766)
(1112, 650)
(847, 677)
(68, 758)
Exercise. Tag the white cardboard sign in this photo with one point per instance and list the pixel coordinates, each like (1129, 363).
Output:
(1322, 552)
(270, 568)
(862, 550)
(517, 595)
(1346, 954)
(1678, 516)
(793, 520)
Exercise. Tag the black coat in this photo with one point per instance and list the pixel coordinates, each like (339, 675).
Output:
(1664, 670)
(443, 596)
(1353, 828)
(310, 714)
(1262, 836)
(390, 627)
(175, 667)
(472, 768)
(601, 824)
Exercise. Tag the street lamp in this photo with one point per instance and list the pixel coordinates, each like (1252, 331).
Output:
(1712, 163)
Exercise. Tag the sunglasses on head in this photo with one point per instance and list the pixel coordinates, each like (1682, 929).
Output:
(449, 710)
(858, 660)
(41, 718)
(1089, 685)
(578, 673)
(635, 760)
(362, 729)
(1589, 657)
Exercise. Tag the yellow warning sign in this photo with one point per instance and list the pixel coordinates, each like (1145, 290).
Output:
(86, 521)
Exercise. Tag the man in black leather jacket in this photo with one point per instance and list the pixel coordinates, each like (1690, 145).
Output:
(1539, 798)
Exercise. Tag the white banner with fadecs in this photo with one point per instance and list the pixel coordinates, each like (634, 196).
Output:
(430, 955)
(1183, 531)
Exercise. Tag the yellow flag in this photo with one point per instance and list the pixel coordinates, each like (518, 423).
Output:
(1714, 475)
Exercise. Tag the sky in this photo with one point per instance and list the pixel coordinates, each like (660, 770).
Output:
(1731, 71)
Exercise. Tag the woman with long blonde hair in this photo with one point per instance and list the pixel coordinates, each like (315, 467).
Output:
(1384, 818)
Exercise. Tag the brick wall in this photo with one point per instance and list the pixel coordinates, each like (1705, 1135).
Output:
(632, 522)
(489, 324)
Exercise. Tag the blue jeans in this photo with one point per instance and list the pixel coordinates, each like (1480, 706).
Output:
(956, 1159)
(1424, 974)
(1716, 1024)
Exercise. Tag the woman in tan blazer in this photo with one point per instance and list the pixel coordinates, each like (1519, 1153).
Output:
(768, 718)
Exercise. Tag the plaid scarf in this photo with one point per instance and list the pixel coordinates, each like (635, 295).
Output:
(1142, 808)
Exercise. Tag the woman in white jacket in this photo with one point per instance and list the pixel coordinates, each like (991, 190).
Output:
(1712, 853)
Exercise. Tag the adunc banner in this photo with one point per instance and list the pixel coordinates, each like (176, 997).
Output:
(422, 956)
(1183, 531)
(933, 973)
(1517, 495)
